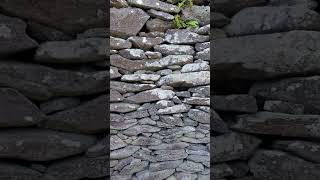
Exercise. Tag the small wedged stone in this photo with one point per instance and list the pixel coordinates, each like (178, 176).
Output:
(203, 55)
(13, 36)
(59, 104)
(172, 49)
(277, 165)
(204, 30)
(42, 145)
(79, 167)
(17, 110)
(199, 13)
(114, 73)
(309, 151)
(232, 146)
(260, 20)
(126, 22)
(89, 117)
(123, 107)
(236, 102)
(155, 4)
(145, 43)
(184, 36)
(75, 51)
(118, 43)
(287, 90)
(200, 101)
(115, 96)
(280, 124)
(202, 46)
(52, 82)
(171, 120)
(116, 143)
(151, 95)
(186, 79)
(124, 152)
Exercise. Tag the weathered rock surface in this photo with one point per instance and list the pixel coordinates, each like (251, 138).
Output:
(237, 103)
(123, 107)
(199, 13)
(184, 36)
(230, 7)
(186, 79)
(123, 87)
(127, 22)
(283, 107)
(118, 43)
(258, 20)
(151, 95)
(171, 49)
(145, 43)
(155, 4)
(59, 104)
(16, 171)
(261, 57)
(42, 145)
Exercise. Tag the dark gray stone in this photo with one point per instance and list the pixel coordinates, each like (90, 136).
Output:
(59, 104)
(237, 103)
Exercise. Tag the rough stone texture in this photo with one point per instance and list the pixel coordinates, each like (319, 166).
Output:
(155, 4)
(236, 103)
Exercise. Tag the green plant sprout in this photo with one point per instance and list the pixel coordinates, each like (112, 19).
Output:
(181, 23)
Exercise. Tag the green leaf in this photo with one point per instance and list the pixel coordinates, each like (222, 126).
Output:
(192, 23)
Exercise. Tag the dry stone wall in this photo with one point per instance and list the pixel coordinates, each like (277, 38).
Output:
(266, 96)
(159, 96)
(53, 80)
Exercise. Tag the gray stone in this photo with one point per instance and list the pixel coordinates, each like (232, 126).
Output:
(221, 170)
(140, 77)
(79, 167)
(80, 17)
(247, 58)
(197, 101)
(180, 108)
(258, 20)
(236, 102)
(219, 20)
(145, 43)
(159, 25)
(115, 96)
(16, 171)
(232, 146)
(186, 79)
(153, 55)
(309, 151)
(303, 91)
(118, 43)
(278, 124)
(194, 67)
(13, 36)
(17, 110)
(199, 158)
(172, 146)
(135, 166)
(184, 36)
(119, 3)
(186, 176)
(101, 148)
(189, 166)
(138, 129)
(202, 46)
(311, 4)
(126, 22)
(124, 152)
(170, 155)
(123, 87)
(123, 107)
(116, 143)
(169, 60)
(204, 30)
(146, 141)
(161, 15)
(137, 114)
(89, 117)
(151, 95)
(59, 104)
(171, 120)
(199, 13)
(231, 7)
(203, 55)
(75, 51)
(51, 83)
(200, 116)
(42, 145)
(283, 107)
(171, 49)
(277, 165)
(44, 33)
(158, 175)
(155, 4)
(122, 125)
(159, 166)
(203, 90)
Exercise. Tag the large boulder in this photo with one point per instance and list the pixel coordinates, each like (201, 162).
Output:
(268, 56)
(80, 16)
(13, 36)
(126, 22)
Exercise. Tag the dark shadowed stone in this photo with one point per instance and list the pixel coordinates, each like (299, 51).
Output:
(220, 170)
(79, 167)
(184, 36)
(311, 4)
(81, 16)
(59, 104)
(260, 57)
(41, 83)
(118, 43)
(13, 36)
(217, 123)
(218, 34)
(17, 110)
(94, 33)
(44, 33)
(151, 95)
(145, 43)
(219, 20)
(303, 91)
(155, 4)
(89, 117)
(279, 124)
(199, 13)
(232, 146)
(309, 151)
(127, 22)
(101, 148)
(17, 172)
(159, 25)
(115, 96)
(42, 145)
(186, 79)
(123, 87)
(277, 165)
(283, 107)
(239, 168)
(75, 51)
(258, 20)
(237, 102)
(230, 7)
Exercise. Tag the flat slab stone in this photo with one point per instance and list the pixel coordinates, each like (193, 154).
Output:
(75, 51)
(59, 104)
(180, 108)
(307, 89)
(118, 43)
(16, 171)
(170, 155)
(89, 117)
(52, 82)
(42, 145)
(199, 116)
(126, 22)
(279, 124)
(231, 7)
(124, 87)
(151, 95)
(155, 4)
(283, 107)
(172, 49)
(232, 146)
(259, 57)
(236, 102)
(145, 43)
(123, 107)
(184, 36)
(186, 79)
(277, 165)
(260, 20)
(13, 36)
(140, 77)
(124, 152)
